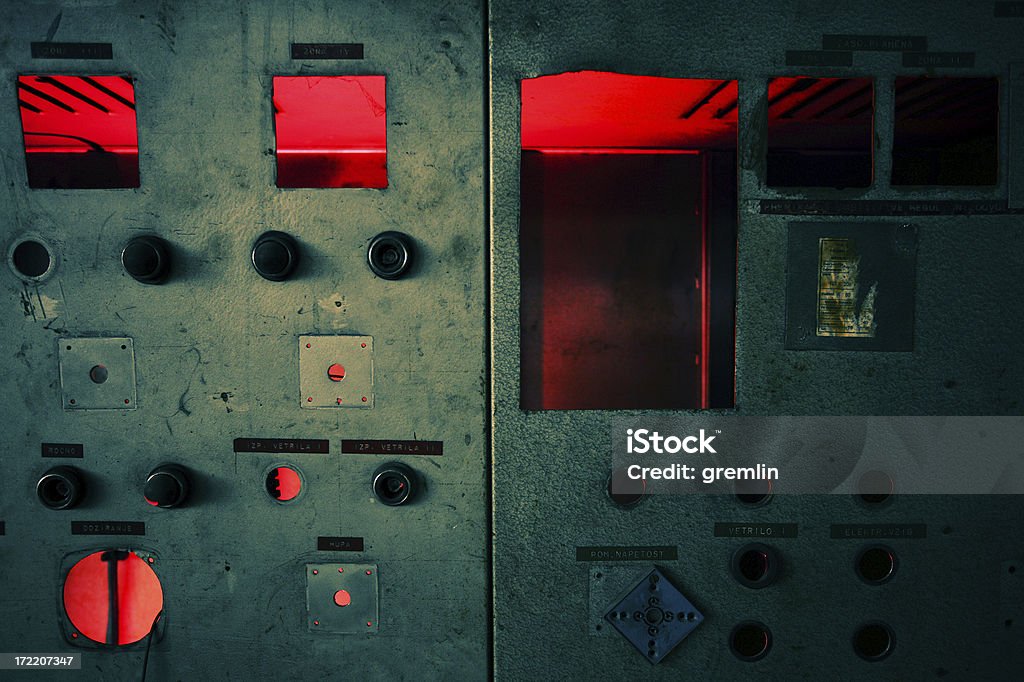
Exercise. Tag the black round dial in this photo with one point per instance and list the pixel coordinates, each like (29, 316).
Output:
(147, 259)
(167, 486)
(275, 255)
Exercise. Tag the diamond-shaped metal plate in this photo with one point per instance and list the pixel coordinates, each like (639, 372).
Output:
(352, 354)
(654, 616)
(354, 611)
(97, 374)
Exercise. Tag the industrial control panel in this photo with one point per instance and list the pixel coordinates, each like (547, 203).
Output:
(343, 338)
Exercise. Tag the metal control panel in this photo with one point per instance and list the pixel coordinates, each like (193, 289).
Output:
(184, 350)
(322, 320)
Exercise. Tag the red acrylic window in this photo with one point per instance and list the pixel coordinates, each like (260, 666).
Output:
(80, 131)
(627, 242)
(331, 131)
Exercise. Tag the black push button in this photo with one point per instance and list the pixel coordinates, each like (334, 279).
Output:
(390, 255)
(167, 486)
(275, 255)
(147, 259)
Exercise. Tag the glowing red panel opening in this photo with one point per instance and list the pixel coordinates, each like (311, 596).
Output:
(595, 109)
(88, 605)
(627, 242)
(820, 132)
(79, 131)
(331, 131)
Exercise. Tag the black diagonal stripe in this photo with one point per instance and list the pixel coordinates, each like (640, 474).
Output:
(816, 98)
(25, 105)
(707, 98)
(60, 85)
(108, 92)
(42, 95)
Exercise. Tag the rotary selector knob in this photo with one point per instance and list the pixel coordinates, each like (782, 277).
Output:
(147, 259)
(167, 486)
(395, 483)
(390, 255)
(275, 255)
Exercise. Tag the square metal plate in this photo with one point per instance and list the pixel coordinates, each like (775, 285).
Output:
(97, 374)
(342, 598)
(654, 616)
(351, 358)
(850, 286)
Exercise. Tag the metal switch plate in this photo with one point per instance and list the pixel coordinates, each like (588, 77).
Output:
(654, 616)
(358, 582)
(317, 386)
(97, 374)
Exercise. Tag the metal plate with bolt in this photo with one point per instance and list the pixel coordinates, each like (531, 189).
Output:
(336, 371)
(97, 374)
(342, 598)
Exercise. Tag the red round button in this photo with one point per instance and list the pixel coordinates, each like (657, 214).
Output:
(336, 372)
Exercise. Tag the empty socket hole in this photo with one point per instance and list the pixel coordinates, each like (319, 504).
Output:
(755, 565)
(31, 259)
(623, 490)
(876, 565)
(750, 641)
(873, 641)
(875, 487)
(753, 493)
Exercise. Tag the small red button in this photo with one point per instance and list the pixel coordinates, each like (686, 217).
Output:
(336, 372)
(342, 598)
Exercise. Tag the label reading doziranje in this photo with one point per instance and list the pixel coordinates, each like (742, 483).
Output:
(283, 445)
(108, 528)
(755, 530)
(63, 450)
(655, 553)
(878, 531)
(336, 544)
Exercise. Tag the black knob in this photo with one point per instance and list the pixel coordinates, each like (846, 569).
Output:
(167, 486)
(275, 255)
(390, 255)
(394, 483)
(147, 259)
(60, 488)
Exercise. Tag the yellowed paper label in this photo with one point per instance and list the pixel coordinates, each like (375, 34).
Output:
(838, 291)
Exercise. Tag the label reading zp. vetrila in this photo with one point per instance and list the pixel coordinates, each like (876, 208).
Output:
(838, 289)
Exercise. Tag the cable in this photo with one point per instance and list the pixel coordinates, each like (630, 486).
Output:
(148, 643)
